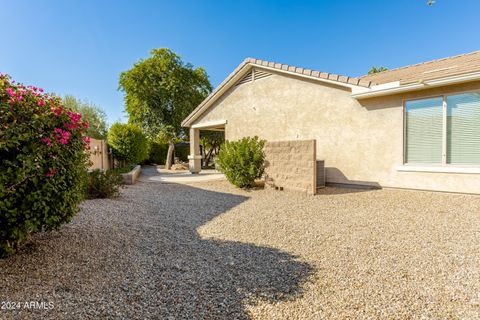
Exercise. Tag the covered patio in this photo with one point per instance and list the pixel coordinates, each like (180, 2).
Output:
(195, 157)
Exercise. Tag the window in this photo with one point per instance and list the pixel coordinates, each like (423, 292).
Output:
(463, 129)
(443, 130)
(424, 126)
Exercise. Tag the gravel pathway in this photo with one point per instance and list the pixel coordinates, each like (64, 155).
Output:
(210, 251)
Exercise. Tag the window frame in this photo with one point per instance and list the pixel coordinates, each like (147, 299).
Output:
(444, 164)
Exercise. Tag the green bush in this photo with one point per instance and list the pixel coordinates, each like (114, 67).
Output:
(158, 152)
(43, 163)
(103, 184)
(128, 143)
(181, 153)
(242, 161)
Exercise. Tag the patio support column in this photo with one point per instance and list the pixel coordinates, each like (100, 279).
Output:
(195, 158)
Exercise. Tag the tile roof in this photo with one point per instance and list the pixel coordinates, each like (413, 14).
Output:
(308, 72)
(451, 66)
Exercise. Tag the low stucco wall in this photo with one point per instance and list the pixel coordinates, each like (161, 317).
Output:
(291, 165)
(361, 142)
(132, 176)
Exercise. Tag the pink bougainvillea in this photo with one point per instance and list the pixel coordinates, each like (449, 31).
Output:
(47, 141)
(51, 173)
(61, 136)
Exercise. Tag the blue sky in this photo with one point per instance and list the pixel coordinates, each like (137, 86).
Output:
(80, 47)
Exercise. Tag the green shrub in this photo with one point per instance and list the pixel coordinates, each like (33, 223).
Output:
(158, 152)
(181, 153)
(103, 184)
(128, 143)
(242, 161)
(43, 163)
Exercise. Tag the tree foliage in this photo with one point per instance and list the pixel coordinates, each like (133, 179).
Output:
(211, 141)
(95, 116)
(128, 143)
(161, 91)
(374, 69)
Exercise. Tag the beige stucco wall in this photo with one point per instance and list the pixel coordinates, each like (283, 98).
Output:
(291, 165)
(99, 154)
(361, 143)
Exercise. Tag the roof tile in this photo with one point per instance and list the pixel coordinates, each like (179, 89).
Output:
(456, 65)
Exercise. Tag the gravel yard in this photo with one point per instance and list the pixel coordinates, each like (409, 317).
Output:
(210, 251)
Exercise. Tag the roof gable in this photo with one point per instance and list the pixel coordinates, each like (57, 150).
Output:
(241, 72)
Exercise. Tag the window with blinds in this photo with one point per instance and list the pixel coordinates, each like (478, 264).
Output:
(424, 126)
(450, 123)
(463, 129)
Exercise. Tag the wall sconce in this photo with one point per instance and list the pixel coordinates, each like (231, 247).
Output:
(95, 150)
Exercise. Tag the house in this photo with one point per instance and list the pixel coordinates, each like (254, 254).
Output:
(416, 127)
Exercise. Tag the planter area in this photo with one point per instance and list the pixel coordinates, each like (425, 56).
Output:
(132, 176)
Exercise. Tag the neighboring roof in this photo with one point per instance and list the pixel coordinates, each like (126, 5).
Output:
(435, 69)
(249, 63)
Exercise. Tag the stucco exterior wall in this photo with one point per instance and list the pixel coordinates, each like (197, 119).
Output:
(99, 154)
(361, 143)
(291, 165)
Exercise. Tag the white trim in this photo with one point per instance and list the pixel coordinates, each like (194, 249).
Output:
(195, 157)
(210, 124)
(390, 91)
(439, 169)
(370, 93)
(444, 130)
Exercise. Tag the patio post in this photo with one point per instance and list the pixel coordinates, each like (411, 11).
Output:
(195, 158)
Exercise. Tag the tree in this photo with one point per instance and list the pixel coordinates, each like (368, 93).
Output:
(94, 115)
(374, 69)
(160, 92)
(211, 141)
(128, 143)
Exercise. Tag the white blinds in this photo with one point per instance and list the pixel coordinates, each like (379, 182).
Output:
(463, 129)
(424, 126)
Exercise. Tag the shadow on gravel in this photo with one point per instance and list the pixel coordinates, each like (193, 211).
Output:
(140, 256)
(212, 279)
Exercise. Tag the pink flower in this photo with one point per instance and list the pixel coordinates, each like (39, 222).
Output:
(47, 141)
(56, 111)
(51, 172)
(62, 136)
(19, 98)
(85, 124)
(74, 117)
(70, 126)
(41, 103)
(11, 92)
(40, 89)
(86, 140)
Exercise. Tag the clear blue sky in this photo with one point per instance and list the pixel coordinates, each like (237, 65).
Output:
(79, 47)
